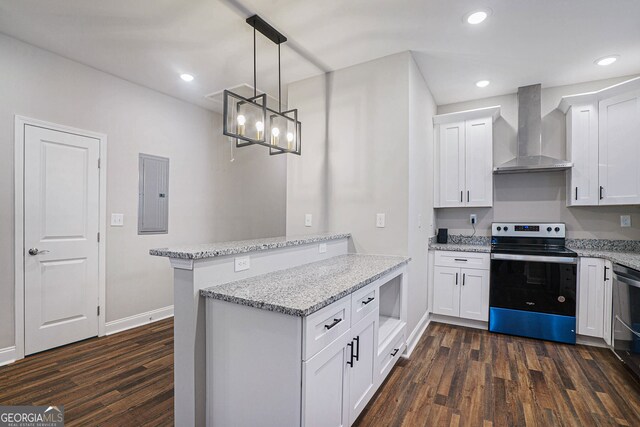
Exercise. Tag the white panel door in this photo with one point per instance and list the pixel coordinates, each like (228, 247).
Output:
(582, 140)
(451, 148)
(362, 375)
(325, 388)
(608, 302)
(446, 291)
(619, 125)
(61, 213)
(479, 162)
(474, 294)
(591, 296)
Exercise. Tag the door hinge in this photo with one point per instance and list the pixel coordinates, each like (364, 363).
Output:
(98, 163)
(98, 310)
(98, 237)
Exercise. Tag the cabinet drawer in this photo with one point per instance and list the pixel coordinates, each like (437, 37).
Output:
(462, 259)
(324, 326)
(388, 357)
(363, 302)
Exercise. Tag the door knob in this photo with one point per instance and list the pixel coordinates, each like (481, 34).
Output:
(36, 251)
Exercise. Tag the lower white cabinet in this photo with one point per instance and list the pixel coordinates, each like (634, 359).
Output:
(594, 298)
(460, 291)
(361, 366)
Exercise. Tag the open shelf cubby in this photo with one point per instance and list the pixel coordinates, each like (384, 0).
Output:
(390, 310)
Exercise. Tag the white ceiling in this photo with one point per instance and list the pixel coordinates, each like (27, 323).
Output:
(150, 42)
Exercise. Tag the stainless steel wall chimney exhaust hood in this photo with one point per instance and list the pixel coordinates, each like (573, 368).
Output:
(529, 157)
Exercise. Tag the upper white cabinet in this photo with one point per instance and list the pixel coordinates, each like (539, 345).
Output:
(464, 158)
(603, 142)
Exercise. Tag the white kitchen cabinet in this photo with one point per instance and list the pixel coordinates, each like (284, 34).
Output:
(464, 167)
(362, 369)
(461, 291)
(594, 298)
(582, 149)
(325, 400)
(619, 143)
(474, 294)
(603, 143)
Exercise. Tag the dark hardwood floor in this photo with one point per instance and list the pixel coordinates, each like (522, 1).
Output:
(460, 376)
(124, 379)
(456, 376)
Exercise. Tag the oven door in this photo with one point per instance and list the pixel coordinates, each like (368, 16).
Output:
(533, 296)
(626, 316)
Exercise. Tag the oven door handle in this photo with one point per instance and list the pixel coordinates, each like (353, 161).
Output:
(536, 258)
(627, 326)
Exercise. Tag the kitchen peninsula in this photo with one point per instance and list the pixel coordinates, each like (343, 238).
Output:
(296, 281)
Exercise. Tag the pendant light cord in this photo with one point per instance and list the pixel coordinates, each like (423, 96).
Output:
(255, 84)
(279, 83)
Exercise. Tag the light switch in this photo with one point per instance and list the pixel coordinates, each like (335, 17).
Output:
(308, 220)
(242, 263)
(625, 220)
(117, 220)
(380, 220)
(322, 248)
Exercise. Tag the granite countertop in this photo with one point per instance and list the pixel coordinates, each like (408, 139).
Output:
(459, 247)
(627, 259)
(300, 291)
(209, 250)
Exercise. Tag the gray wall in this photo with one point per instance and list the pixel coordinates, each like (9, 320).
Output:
(361, 127)
(537, 196)
(212, 199)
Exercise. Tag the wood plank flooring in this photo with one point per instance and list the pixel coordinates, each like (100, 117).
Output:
(465, 377)
(124, 379)
(455, 377)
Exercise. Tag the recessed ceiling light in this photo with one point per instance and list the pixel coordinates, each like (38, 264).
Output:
(477, 16)
(607, 60)
(186, 77)
(482, 83)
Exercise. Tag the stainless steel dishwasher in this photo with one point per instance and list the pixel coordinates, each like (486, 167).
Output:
(626, 316)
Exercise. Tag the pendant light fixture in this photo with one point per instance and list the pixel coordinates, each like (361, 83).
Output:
(250, 121)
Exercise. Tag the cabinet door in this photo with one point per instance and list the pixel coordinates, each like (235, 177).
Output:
(362, 375)
(446, 292)
(479, 162)
(451, 148)
(325, 386)
(591, 297)
(619, 123)
(474, 294)
(582, 147)
(608, 302)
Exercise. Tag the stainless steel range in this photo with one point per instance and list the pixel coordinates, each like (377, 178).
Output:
(533, 282)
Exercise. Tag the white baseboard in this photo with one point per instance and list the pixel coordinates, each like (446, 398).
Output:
(8, 355)
(477, 324)
(591, 341)
(416, 334)
(138, 320)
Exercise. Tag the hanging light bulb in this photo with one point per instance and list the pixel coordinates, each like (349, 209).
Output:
(259, 129)
(241, 121)
(289, 140)
(275, 134)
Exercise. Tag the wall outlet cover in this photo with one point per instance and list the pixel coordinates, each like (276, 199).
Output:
(380, 220)
(322, 248)
(473, 219)
(308, 220)
(625, 220)
(117, 220)
(242, 263)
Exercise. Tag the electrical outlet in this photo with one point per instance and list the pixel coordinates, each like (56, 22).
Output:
(625, 220)
(322, 248)
(117, 220)
(380, 220)
(308, 220)
(242, 263)
(473, 219)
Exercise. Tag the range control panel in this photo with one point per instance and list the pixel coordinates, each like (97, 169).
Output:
(519, 229)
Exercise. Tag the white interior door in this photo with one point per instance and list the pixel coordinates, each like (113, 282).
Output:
(61, 220)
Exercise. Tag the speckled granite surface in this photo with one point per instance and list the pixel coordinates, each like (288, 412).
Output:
(459, 239)
(605, 245)
(628, 259)
(303, 290)
(209, 250)
(460, 248)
